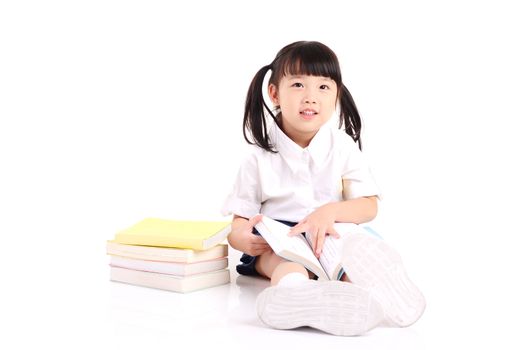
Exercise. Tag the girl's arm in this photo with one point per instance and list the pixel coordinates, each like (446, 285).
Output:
(321, 221)
(357, 210)
(242, 238)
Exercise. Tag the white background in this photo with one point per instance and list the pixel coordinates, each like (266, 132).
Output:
(112, 111)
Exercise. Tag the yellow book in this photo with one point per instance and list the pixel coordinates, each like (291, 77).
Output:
(197, 235)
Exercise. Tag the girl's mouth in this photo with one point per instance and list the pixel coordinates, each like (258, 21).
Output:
(308, 114)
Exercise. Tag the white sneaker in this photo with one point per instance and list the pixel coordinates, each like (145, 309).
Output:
(334, 307)
(373, 265)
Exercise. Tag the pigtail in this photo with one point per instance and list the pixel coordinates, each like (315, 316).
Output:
(349, 116)
(254, 113)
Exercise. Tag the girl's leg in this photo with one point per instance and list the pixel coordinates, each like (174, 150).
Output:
(372, 264)
(274, 267)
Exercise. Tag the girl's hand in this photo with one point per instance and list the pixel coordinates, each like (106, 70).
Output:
(318, 224)
(242, 238)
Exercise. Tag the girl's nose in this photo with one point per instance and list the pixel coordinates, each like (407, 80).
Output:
(309, 97)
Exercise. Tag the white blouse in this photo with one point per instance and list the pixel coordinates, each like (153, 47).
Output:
(292, 183)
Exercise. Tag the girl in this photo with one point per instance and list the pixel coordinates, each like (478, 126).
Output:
(304, 172)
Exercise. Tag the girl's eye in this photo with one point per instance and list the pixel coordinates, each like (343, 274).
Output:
(298, 85)
(325, 87)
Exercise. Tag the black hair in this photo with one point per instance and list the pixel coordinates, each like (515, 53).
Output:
(299, 58)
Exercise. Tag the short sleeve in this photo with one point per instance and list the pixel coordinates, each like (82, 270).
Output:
(245, 197)
(357, 178)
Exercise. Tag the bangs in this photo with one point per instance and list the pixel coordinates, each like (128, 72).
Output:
(310, 58)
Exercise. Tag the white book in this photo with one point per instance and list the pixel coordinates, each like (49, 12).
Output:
(170, 268)
(165, 254)
(298, 248)
(170, 282)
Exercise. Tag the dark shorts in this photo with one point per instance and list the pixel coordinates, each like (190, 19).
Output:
(247, 266)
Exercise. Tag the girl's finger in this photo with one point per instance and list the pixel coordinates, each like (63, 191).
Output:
(257, 239)
(260, 246)
(299, 228)
(331, 231)
(319, 241)
(254, 220)
(260, 251)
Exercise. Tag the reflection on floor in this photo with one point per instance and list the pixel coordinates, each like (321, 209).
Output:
(226, 314)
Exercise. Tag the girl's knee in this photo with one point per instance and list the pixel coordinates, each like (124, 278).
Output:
(266, 263)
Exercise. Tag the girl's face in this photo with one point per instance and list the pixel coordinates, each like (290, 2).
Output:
(307, 102)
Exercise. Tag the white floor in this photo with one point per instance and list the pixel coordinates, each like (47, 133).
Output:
(223, 315)
(60, 297)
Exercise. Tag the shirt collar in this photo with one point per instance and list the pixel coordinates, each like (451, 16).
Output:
(317, 150)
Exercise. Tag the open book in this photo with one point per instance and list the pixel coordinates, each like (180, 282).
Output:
(298, 248)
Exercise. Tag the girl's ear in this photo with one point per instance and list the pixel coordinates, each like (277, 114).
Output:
(273, 94)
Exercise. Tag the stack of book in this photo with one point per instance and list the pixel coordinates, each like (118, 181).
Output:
(179, 256)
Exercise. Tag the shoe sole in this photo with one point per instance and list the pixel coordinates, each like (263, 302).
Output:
(334, 307)
(372, 264)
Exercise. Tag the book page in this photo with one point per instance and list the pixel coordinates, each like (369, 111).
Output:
(331, 254)
(293, 248)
